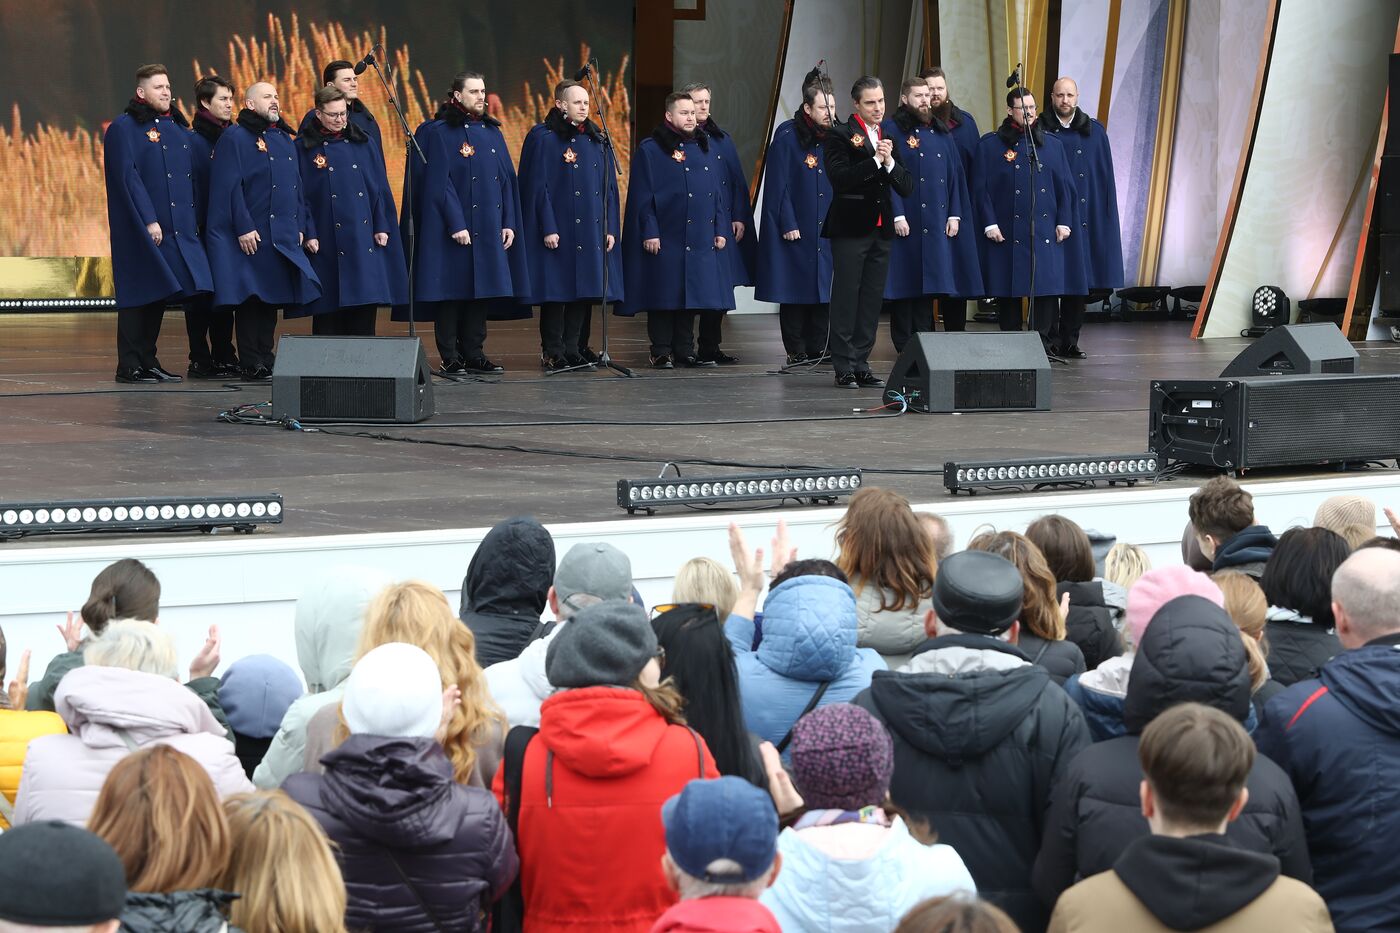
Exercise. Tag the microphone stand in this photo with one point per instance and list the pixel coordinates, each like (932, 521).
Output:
(605, 360)
(410, 147)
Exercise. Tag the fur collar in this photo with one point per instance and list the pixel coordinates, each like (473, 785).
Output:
(809, 134)
(567, 131)
(358, 106)
(313, 133)
(1010, 134)
(668, 139)
(454, 114)
(208, 125)
(712, 129)
(1078, 123)
(142, 112)
(907, 120)
(257, 125)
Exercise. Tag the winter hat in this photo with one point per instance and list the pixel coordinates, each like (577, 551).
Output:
(1157, 587)
(842, 758)
(978, 592)
(605, 644)
(394, 690)
(724, 830)
(255, 692)
(1338, 512)
(56, 875)
(595, 569)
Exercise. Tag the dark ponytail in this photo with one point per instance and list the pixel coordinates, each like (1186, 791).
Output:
(125, 590)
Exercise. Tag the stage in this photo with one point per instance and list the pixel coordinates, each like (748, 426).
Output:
(524, 443)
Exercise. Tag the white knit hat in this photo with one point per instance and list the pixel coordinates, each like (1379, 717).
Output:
(394, 690)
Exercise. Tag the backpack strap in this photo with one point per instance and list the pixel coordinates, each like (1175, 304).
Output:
(508, 913)
(699, 752)
(125, 736)
(811, 705)
(418, 895)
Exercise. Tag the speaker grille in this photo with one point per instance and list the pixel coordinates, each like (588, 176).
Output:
(347, 398)
(1339, 366)
(994, 388)
(1311, 421)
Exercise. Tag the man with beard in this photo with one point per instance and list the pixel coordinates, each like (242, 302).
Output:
(157, 253)
(963, 129)
(257, 224)
(564, 170)
(210, 331)
(468, 210)
(1091, 163)
(865, 172)
(794, 267)
(350, 229)
(676, 227)
(743, 250)
(1026, 202)
(928, 258)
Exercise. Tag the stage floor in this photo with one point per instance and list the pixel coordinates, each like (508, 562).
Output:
(529, 444)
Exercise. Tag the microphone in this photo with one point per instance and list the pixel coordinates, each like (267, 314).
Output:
(582, 72)
(1015, 79)
(368, 60)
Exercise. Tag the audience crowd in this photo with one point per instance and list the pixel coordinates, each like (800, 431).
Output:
(1041, 731)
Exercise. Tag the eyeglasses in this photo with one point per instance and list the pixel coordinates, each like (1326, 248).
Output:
(662, 608)
(344, 114)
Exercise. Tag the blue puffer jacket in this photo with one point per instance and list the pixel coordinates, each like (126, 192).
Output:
(1338, 738)
(809, 638)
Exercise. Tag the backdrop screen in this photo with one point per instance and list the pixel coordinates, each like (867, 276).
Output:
(66, 69)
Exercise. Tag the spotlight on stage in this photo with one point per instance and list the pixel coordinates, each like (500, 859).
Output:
(1038, 473)
(1270, 309)
(811, 486)
(127, 516)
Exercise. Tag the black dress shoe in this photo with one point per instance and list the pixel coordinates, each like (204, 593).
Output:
(554, 364)
(136, 377)
(163, 375)
(576, 361)
(662, 362)
(720, 358)
(694, 362)
(795, 359)
(480, 364)
(200, 370)
(1072, 352)
(589, 355)
(257, 374)
(868, 380)
(228, 369)
(846, 381)
(452, 368)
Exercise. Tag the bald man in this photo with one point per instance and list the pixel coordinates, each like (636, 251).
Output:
(257, 226)
(1086, 147)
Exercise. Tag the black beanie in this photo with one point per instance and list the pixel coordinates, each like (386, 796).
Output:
(56, 875)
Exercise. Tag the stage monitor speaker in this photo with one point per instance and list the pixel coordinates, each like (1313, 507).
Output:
(1295, 349)
(972, 371)
(372, 379)
(1260, 421)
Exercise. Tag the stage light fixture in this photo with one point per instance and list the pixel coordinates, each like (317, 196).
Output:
(1041, 472)
(1269, 309)
(813, 486)
(126, 516)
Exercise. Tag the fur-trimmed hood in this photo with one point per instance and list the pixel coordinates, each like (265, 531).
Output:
(565, 130)
(907, 120)
(668, 139)
(1079, 123)
(313, 133)
(1011, 135)
(255, 123)
(208, 125)
(454, 114)
(142, 112)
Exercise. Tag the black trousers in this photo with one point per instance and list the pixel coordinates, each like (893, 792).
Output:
(586, 329)
(1043, 310)
(857, 292)
(711, 327)
(672, 333)
(561, 325)
(909, 316)
(138, 329)
(256, 324)
(953, 311)
(358, 321)
(460, 330)
(210, 332)
(804, 328)
(1067, 324)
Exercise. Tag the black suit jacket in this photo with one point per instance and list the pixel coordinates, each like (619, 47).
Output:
(860, 186)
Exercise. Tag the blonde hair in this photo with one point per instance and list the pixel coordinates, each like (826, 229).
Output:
(1125, 564)
(417, 613)
(703, 580)
(1245, 602)
(135, 646)
(158, 808)
(283, 867)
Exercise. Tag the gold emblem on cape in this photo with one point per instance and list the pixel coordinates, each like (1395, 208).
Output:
(678, 155)
(810, 161)
(858, 140)
(467, 150)
(1010, 155)
(570, 156)
(319, 161)
(913, 141)
(262, 144)
(153, 135)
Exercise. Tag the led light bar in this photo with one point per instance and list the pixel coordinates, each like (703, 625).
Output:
(815, 486)
(56, 304)
(164, 513)
(1040, 472)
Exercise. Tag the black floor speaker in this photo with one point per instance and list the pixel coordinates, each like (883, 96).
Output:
(1263, 421)
(971, 371)
(1295, 350)
(372, 379)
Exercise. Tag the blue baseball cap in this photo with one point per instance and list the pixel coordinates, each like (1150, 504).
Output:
(724, 831)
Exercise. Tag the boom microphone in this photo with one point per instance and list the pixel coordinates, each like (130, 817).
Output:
(1015, 79)
(582, 72)
(365, 62)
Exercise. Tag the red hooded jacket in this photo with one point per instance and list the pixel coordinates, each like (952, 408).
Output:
(718, 915)
(590, 835)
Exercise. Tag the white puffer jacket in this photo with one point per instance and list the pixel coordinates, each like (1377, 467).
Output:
(895, 633)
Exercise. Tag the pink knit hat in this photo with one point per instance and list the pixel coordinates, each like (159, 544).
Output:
(1156, 588)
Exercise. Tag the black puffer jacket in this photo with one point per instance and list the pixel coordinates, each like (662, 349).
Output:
(1191, 652)
(390, 800)
(1090, 622)
(506, 588)
(1062, 659)
(980, 738)
(199, 911)
(1297, 650)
